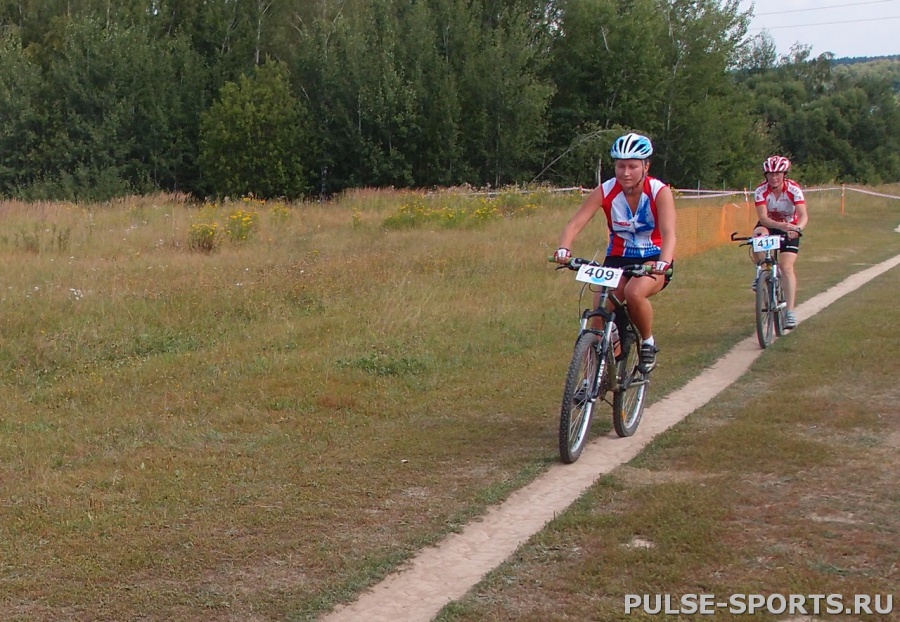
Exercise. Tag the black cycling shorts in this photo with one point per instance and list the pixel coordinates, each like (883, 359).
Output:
(618, 262)
(787, 245)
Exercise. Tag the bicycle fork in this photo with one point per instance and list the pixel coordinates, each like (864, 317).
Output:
(600, 383)
(601, 380)
(776, 278)
(773, 293)
(761, 267)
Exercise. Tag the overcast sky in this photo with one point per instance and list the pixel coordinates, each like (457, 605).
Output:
(843, 27)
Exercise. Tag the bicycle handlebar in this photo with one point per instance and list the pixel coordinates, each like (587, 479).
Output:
(738, 238)
(633, 270)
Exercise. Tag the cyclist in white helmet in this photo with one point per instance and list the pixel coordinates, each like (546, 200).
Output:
(781, 208)
(640, 220)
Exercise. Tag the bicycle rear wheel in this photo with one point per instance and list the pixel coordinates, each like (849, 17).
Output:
(579, 397)
(765, 311)
(631, 389)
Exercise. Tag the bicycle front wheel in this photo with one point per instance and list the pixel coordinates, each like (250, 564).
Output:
(579, 397)
(765, 311)
(630, 391)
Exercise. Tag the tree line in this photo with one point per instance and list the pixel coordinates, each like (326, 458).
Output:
(298, 98)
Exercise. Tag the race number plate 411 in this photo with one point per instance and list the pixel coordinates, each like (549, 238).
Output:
(599, 275)
(766, 243)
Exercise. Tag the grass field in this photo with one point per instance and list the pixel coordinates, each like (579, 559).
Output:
(259, 432)
(786, 484)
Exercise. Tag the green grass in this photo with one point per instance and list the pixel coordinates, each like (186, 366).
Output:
(261, 431)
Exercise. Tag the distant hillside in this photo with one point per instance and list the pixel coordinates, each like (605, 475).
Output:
(848, 60)
(879, 67)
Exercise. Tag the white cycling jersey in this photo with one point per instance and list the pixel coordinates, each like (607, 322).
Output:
(782, 208)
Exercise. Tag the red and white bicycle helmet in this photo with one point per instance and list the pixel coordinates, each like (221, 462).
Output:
(776, 164)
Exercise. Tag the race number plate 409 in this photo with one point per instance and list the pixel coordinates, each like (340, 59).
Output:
(599, 275)
(766, 243)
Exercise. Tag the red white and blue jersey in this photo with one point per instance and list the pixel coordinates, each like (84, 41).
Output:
(782, 208)
(632, 233)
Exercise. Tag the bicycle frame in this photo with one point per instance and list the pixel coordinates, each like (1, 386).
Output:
(617, 316)
(609, 318)
(770, 259)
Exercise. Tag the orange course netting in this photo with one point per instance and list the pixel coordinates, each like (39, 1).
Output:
(702, 228)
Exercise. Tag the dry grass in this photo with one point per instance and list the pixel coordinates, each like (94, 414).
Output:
(260, 432)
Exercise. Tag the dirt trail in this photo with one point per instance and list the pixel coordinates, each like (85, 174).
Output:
(444, 573)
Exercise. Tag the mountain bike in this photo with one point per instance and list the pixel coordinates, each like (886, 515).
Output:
(604, 360)
(770, 304)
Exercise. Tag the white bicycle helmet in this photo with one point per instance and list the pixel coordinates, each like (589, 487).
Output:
(631, 147)
(776, 164)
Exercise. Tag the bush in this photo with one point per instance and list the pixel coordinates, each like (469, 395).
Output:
(204, 237)
(241, 224)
